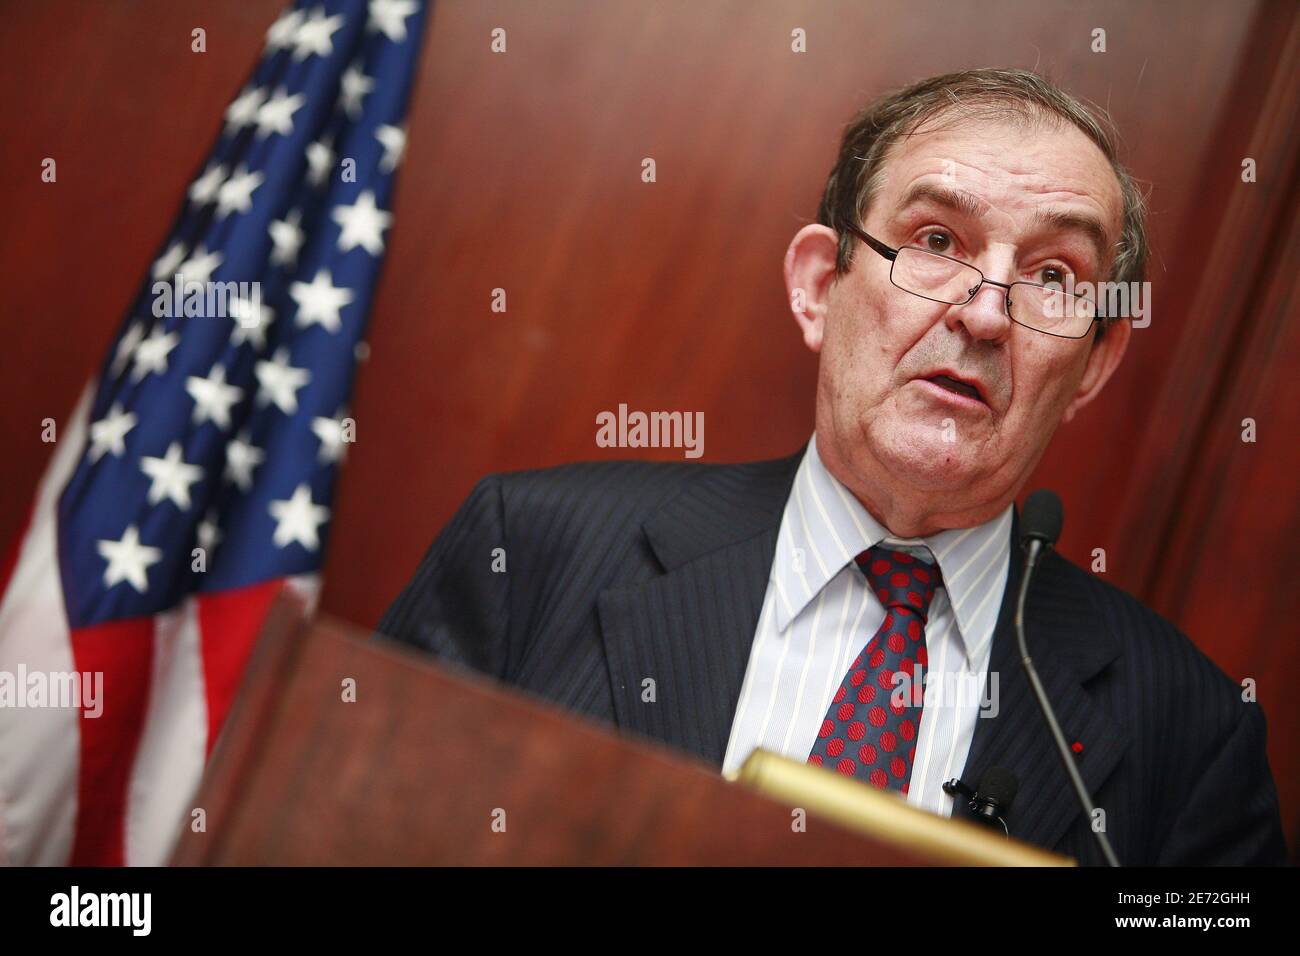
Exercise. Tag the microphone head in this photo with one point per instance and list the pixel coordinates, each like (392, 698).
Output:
(1041, 517)
(999, 785)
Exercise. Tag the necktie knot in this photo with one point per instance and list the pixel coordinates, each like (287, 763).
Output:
(900, 580)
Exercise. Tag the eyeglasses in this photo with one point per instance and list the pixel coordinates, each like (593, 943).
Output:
(940, 278)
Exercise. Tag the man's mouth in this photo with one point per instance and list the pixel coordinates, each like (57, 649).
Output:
(954, 385)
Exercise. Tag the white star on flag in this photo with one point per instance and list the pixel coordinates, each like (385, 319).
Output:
(389, 16)
(151, 354)
(236, 193)
(314, 35)
(243, 110)
(279, 382)
(320, 301)
(165, 265)
(241, 458)
(362, 224)
(320, 160)
(283, 30)
(393, 139)
(276, 114)
(204, 189)
(213, 397)
(286, 237)
(128, 560)
(208, 534)
(170, 477)
(126, 346)
(250, 323)
(354, 85)
(200, 265)
(298, 519)
(109, 433)
(330, 432)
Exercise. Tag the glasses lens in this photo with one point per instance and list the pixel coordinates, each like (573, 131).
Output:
(1051, 310)
(935, 277)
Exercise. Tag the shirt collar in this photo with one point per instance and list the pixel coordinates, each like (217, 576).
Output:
(824, 527)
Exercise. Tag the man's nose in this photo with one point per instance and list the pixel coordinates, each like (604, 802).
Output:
(985, 316)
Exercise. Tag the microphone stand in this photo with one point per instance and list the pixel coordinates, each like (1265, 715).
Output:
(1033, 547)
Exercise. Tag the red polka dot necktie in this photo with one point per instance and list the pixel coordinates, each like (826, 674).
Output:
(870, 731)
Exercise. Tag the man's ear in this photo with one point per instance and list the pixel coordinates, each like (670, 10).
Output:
(809, 272)
(1102, 362)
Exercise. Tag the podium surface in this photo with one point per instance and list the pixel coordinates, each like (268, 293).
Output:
(343, 749)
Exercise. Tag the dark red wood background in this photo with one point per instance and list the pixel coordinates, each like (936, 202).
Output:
(523, 172)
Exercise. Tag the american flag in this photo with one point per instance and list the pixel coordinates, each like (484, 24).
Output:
(194, 480)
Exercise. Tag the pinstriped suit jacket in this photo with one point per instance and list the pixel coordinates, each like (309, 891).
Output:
(617, 572)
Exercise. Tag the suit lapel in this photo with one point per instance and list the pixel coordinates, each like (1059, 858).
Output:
(678, 645)
(1069, 644)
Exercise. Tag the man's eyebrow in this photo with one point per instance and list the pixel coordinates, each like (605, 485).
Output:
(1091, 228)
(968, 204)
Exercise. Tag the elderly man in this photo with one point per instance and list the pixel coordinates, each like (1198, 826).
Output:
(778, 604)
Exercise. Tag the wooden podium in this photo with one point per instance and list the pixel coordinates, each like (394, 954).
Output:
(428, 765)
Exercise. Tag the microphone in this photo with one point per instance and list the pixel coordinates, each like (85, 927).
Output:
(991, 802)
(1040, 526)
(1041, 519)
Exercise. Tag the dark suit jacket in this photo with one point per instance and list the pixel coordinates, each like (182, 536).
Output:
(620, 571)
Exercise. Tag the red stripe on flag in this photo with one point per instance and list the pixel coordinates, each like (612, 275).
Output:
(229, 622)
(123, 652)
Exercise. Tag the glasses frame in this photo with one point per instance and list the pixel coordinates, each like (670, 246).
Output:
(891, 254)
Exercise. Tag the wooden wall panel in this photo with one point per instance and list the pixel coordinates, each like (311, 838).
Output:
(1227, 569)
(1211, 523)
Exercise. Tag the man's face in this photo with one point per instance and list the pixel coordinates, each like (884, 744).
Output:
(1012, 200)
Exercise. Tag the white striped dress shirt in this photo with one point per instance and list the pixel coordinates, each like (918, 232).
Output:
(819, 612)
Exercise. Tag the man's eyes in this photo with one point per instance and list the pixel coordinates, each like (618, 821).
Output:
(937, 240)
(943, 242)
(1051, 275)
